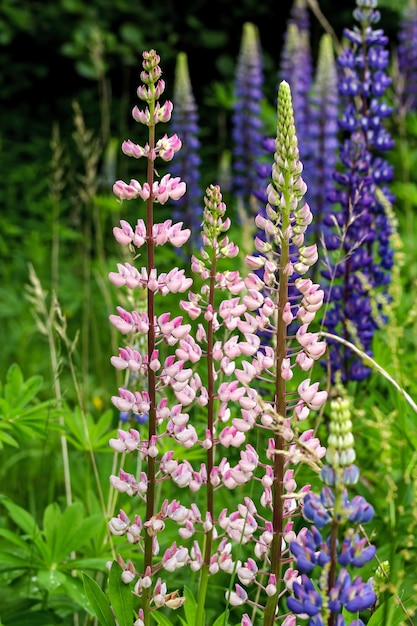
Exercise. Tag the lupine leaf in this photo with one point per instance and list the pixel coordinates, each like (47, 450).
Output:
(7, 439)
(161, 619)
(223, 619)
(99, 602)
(11, 561)
(75, 589)
(24, 520)
(190, 606)
(120, 595)
(66, 533)
(50, 579)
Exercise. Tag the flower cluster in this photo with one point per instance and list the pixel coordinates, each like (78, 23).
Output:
(330, 560)
(361, 255)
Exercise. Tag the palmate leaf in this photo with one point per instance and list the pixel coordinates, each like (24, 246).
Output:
(161, 619)
(19, 392)
(67, 531)
(50, 579)
(5, 438)
(10, 561)
(98, 432)
(223, 619)
(19, 409)
(24, 520)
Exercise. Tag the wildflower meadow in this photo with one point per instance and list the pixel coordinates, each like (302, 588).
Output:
(208, 390)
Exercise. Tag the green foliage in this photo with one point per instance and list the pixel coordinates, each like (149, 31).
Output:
(46, 558)
(22, 416)
(100, 604)
(120, 596)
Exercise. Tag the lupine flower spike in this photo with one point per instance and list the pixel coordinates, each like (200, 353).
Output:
(246, 119)
(323, 134)
(360, 255)
(296, 68)
(186, 164)
(142, 401)
(281, 263)
(326, 588)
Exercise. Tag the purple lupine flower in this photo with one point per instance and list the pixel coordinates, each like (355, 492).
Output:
(307, 600)
(407, 57)
(323, 134)
(246, 119)
(296, 68)
(187, 163)
(361, 227)
(309, 550)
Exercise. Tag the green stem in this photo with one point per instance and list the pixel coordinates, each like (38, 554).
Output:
(151, 469)
(202, 591)
(281, 409)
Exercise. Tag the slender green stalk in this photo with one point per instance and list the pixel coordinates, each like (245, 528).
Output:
(151, 469)
(45, 321)
(208, 542)
(281, 409)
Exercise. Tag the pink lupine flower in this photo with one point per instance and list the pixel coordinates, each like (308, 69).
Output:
(120, 524)
(127, 322)
(247, 573)
(237, 597)
(166, 147)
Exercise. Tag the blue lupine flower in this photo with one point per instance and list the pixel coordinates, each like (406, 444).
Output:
(323, 135)
(354, 551)
(360, 511)
(349, 475)
(407, 57)
(143, 418)
(296, 68)
(358, 596)
(246, 119)
(186, 163)
(315, 511)
(126, 416)
(306, 598)
(310, 550)
(355, 622)
(362, 234)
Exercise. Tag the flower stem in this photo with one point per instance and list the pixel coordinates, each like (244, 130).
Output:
(151, 469)
(202, 591)
(281, 409)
